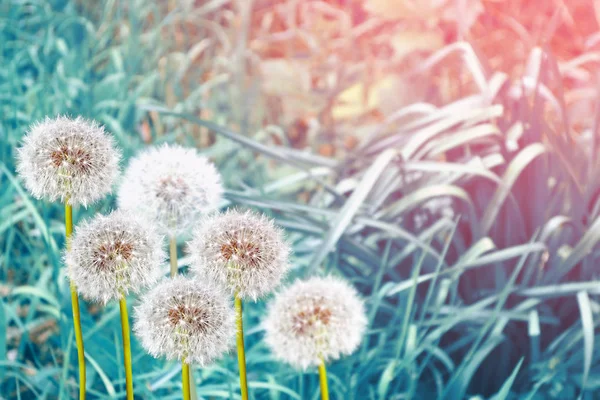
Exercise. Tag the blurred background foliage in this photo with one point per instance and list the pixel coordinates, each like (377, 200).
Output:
(441, 155)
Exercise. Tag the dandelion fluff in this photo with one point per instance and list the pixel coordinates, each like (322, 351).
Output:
(186, 320)
(319, 318)
(71, 160)
(114, 254)
(241, 250)
(171, 186)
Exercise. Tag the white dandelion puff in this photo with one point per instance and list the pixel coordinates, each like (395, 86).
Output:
(186, 320)
(71, 160)
(241, 250)
(172, 186)
(313, 320)
(114, 254)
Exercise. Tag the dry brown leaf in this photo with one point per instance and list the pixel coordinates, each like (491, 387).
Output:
(351, 102)
(386, 95)
(407, 42)
(281, 76)
(394, 92)
(290, 80)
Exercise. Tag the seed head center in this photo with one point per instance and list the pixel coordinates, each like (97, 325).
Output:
(71, 157)
(243, 253)
(171, 189)
(311, 319)
(109, 255)
(189, 317)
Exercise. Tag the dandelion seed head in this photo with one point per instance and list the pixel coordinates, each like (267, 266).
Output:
(172, 186)
(66, 159)
(114, 254)
(241, 250)
(186, 320)
(314, 319)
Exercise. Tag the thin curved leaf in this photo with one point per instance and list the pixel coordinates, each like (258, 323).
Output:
(515, 168)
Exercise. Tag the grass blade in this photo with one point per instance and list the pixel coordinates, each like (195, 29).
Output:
(587, 323)
(351, 207)
(515, 168)
(505, 389)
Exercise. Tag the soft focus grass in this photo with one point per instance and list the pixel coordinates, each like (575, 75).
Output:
(471, 228)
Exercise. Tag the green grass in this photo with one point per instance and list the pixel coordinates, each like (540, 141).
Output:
(462, 225)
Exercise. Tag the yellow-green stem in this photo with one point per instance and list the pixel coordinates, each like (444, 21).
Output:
(240, 348)
(126, 347)
(75, 306)
(185, 380)
(323, 381)
(173, 256)
(174, 271)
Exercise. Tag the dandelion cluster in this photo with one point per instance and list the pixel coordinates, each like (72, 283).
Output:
(168, 190)
(73, 160)
(172, 186)
(185, 320)
(313, 320)
(112, 255)
(241, 250)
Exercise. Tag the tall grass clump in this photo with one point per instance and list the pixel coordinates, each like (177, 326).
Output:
(458, 197)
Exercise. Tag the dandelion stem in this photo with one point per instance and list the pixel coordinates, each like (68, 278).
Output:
(75, 305)
(126, 347)
(174, 271)
(240, 348)
(323, 381)
(185, 380)
(68, 223)
(173, 256)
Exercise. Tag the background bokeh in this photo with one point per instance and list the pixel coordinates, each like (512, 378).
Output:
(441, 155)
